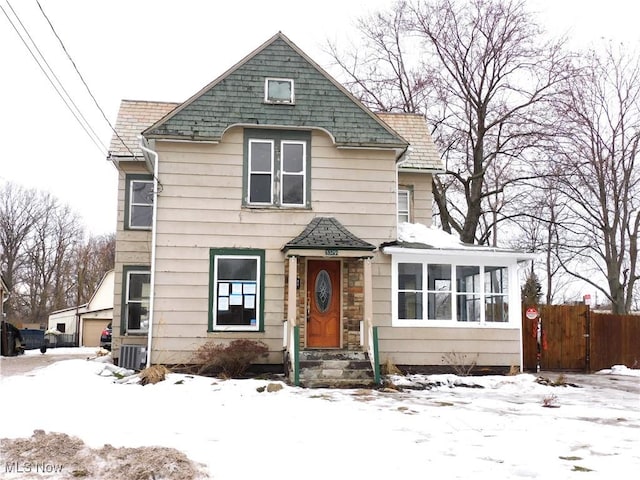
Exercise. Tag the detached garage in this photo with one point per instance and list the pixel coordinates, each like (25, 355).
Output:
(92, 328)
(99, 313)
(90, 318)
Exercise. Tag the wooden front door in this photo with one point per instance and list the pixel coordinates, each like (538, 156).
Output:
(323, 304)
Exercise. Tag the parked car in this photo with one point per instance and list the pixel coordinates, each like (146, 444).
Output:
(105, 338)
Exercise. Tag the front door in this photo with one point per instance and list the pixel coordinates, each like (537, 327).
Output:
(323, 304)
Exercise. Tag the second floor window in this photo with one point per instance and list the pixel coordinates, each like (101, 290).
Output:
(277, 168)
(139, 202)
(403, 206)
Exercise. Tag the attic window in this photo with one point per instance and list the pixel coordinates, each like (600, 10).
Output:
(278, 90)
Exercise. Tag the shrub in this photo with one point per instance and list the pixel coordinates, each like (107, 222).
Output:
(231, 360)
(460, 363)
(153, 374)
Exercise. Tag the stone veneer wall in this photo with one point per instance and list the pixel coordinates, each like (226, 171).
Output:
(352, 301)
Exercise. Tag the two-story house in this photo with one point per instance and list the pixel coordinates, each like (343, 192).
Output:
(273, 205)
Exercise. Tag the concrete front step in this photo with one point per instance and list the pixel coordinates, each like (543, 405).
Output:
(335, 368)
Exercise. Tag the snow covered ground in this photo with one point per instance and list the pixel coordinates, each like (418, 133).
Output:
(437, 426)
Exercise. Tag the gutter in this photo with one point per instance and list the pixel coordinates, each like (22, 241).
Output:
(153, 167)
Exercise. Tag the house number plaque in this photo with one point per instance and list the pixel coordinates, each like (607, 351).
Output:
(331, 253)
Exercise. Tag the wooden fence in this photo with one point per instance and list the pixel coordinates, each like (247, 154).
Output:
(573, 338)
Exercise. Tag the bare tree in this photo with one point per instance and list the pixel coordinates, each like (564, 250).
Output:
(484, 75)
(47, 281)
(45, 259)
(598, 148)
(383, 70)
(538, 230)
(92, 260)
(18, 214)
(494, 76)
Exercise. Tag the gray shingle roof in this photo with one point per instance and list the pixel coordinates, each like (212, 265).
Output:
(327, 233)
(133, 117)
(422, 153)
(237, 97)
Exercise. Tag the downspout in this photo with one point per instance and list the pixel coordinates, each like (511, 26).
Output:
(153, 167)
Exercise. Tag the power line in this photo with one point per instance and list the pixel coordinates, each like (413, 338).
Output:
(68, 101)
(82, 79)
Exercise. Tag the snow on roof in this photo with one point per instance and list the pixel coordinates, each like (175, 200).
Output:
(431, 236)
(416, 236)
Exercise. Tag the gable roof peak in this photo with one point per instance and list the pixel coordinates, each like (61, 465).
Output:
(237, 98)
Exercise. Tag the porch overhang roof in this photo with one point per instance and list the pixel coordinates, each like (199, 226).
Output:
(327, 237)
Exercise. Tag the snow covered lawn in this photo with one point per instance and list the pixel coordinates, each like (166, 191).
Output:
(438, 426)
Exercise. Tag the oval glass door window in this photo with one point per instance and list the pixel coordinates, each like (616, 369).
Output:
(323, 291)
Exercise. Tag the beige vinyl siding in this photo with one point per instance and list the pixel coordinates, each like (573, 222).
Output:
(381, 272)
(427, 346)
(422, 197)
(200, 208)
(133, 248)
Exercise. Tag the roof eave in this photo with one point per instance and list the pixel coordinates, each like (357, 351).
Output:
(464, 250)
(421, 170)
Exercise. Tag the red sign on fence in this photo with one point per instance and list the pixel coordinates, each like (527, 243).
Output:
(531, 313)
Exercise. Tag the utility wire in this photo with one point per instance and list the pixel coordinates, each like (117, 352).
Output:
(82, 78)
(68, 101)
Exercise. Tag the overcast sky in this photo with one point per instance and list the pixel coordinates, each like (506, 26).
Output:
(168, 50)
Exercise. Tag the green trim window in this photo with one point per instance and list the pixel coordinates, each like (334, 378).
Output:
(261, 153)
(279, 90)
(277, 165)
(236, 290)
(136, 289)
(449, 294)
(138, 202)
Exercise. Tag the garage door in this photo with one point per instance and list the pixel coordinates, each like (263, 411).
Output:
(91, 331)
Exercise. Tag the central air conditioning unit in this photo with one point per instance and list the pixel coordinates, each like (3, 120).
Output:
(133, 357)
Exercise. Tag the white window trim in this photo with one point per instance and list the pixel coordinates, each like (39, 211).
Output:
(473, 259)
(132, 204)
(126, 301)
(292, 99)
(216, 293)
(303, 174)
(408, 211)
(251, 172)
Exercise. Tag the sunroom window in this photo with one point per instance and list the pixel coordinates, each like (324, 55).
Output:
(447, 294)
(496, 283)
(236, 289)
(439, 292)
(468, 293)
(410, 291)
